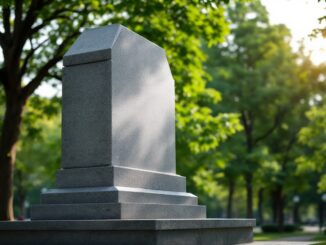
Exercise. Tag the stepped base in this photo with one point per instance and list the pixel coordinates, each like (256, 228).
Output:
(119, 176)
(116, 194)
(116, 202)
(88, 211)
(159, 232)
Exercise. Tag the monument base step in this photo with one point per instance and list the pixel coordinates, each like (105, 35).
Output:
(120, 176)
(118, 232)
(86, 211)
(116, 194)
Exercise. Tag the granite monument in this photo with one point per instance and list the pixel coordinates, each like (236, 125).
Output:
(118, 182)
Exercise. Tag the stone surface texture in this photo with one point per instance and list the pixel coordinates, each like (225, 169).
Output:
(118, 107)
(114, 232)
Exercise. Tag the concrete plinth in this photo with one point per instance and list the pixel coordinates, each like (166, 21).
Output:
(160, 232)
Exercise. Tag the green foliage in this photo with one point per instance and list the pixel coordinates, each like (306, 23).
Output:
(270, 87)
(273, 228)
(180, 33)
(265, 91)
(254, 70)
(314, 136)
(177, 26)
(38, 153)
(320, 31)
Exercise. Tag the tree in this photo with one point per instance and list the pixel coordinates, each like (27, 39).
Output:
(313, 136)
(259, 77)
(34, 35)
(40, 143)
(218, 171)
(284, 149)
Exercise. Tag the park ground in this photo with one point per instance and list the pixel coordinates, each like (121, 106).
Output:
(309, 235)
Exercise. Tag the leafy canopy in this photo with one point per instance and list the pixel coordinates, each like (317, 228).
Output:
(44, 29)
(314, 136)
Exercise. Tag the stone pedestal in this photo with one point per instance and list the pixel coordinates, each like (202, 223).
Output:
(118, 178)
(133, 232)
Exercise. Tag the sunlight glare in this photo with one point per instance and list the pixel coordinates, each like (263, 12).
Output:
(301, 17)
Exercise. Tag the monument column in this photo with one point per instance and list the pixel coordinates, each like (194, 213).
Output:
(118, 133)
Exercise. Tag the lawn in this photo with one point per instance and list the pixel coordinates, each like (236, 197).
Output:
(321, 238)
(277, 236)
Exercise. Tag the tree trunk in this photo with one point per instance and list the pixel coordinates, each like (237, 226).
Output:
(248, 122)
(296, 214)
(260, 206)
(321, 215)
(249, 190)
(279, 208)
(9, 137)
(229, 209)
(20, 194)
(274, 204)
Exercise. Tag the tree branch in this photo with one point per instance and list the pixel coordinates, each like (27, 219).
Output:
(29, 56)
(55, 76)
(277, 120)
(6, 19)
(55, 15)
(288, 148)
(36, 81)
(28, 89)
(44, 71)
(18, 14)
(20, 34)
(2, 40)
(31, 14)
(247, 121)
(46, 21)
(2, 76)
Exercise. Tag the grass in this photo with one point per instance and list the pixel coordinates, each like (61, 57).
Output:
(276, 236)
(321, 238)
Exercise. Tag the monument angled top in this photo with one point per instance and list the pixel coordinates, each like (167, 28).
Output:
(96, 44)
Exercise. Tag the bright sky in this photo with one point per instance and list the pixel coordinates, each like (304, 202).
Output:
(301, 16)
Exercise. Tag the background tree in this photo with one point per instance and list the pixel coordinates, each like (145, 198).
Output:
(34, 35)
(261, 78)
(314, 136)
(40, 143)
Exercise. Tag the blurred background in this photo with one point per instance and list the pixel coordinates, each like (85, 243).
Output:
(250, 100)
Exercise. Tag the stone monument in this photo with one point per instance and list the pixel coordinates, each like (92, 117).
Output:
(118, 182)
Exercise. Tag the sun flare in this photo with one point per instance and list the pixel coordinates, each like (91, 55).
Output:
(301, 17)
